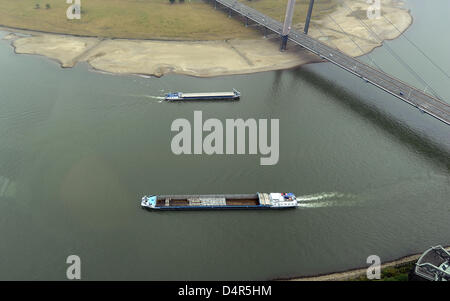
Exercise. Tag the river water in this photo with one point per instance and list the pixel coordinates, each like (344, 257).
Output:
(79, 148)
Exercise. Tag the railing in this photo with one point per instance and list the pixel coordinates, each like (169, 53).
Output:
(407, 93)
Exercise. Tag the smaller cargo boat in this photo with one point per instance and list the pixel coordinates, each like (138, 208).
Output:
(220, 201)
(180, 96)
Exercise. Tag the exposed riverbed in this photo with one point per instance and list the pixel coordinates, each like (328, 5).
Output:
(79, 148)
(342, 29)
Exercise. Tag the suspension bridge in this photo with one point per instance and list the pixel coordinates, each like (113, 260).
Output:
(423, 101)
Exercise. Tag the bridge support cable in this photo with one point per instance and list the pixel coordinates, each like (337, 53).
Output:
(417, 48)
(354, 42)
(426, 103)
(395, 55)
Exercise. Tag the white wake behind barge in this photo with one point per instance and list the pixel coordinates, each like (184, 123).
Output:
(221, 201)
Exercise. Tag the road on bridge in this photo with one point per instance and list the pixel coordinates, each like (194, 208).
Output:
(409, 94)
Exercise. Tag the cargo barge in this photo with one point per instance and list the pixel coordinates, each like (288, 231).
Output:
(220, 201)
(180, 96)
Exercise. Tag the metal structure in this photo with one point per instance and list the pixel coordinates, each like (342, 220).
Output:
(434, 264)
(308, 16)
(220, 201)
(407, 93)
(287, 24)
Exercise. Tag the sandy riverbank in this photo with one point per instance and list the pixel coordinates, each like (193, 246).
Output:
(214, 58)
(352, 274)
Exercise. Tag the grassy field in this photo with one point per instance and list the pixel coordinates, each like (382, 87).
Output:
(145, 19)
(277, 8)
(399, 273)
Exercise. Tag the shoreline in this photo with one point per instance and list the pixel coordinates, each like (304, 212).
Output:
(357, 272)
(205, 58)
(241, 58)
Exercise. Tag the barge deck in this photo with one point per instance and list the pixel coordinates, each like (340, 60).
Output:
(180, 96)
(224, 201)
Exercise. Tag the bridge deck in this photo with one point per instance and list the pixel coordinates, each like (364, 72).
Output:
(413, 96)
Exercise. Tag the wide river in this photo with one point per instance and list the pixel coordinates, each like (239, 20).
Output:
(79, 148)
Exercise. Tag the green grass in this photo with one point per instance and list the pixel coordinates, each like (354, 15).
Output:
(399, 273)
(144, 19)
(277, 8)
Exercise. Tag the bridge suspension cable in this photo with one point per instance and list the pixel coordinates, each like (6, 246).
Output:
(395, 55)
(357, 45)
(426, 103)
(417, 47)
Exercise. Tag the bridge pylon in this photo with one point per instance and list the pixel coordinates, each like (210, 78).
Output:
(308, 16)
(287, 24)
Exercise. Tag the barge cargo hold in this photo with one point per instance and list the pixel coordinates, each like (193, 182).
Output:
(180, 96)
(221, 201)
